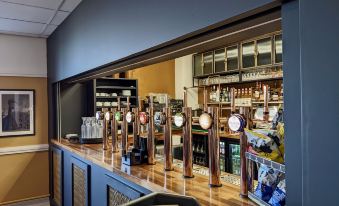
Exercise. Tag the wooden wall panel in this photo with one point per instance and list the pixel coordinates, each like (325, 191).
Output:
(156, 78)
(24, 176)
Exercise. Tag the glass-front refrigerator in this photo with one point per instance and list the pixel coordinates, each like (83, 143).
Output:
(222, 157)
(234, 158)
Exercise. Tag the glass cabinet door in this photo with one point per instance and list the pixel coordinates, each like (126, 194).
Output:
(197, 64)
(232, 58)
(208, 63)
(264, 48)
(219, 60)
(278, 48)
(248, 55)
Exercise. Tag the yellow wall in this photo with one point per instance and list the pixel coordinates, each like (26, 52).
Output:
(26, 175)
(156, 78)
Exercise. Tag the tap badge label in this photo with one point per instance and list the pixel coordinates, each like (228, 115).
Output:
(117, 116)
(129, 117)
(143, 117)
(179, 119)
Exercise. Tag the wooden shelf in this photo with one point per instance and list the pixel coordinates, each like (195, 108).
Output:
(267, 162)
(114, 97)
(114, 87)
(257, 199)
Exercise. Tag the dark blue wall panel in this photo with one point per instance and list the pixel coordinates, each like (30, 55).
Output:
(319, 40)
(292, 99)
(102, 31)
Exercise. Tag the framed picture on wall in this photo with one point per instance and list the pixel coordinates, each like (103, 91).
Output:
(17, 109)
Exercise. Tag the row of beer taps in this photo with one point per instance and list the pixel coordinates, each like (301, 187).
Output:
(209, 120)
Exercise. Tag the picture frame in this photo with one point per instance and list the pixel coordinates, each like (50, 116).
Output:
(17, 110)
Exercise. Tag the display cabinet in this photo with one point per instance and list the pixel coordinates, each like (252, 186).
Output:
(278, 49)
(219, 60)
(248, 58)
(232, 58)
(264, 51)
(207, 63)
(197, 62)
(107, 90)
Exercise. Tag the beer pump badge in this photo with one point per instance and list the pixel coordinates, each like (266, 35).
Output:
(98, 115)
(130, 117)
(143, 117)
(117, 116)
(236, 123)
(159, 118)
(205, 121)
(179, 119)
(107, 116)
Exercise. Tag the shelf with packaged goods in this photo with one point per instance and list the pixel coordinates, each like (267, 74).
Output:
(115, 87)
(122, 106)
(267, 162)
(114, 97)
(257, 199)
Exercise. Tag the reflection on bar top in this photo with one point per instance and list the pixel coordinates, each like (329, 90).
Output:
(154, 178)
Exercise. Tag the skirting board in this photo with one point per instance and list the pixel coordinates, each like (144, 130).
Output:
(23, 149)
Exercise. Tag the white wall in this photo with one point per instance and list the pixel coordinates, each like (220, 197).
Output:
(23, 56)
(183, 78)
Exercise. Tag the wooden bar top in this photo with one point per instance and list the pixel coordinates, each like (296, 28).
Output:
(154, 178)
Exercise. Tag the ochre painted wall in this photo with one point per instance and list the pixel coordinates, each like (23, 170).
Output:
(25, 175)
(156, 78)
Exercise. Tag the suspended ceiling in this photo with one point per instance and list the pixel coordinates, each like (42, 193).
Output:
(38, 18)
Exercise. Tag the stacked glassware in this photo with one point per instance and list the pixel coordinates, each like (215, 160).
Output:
(91, 130)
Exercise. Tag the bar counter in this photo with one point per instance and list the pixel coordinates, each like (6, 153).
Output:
(154, 178)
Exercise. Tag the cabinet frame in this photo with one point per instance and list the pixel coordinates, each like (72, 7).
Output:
(240, 54)
(82, 165)
(61, 163)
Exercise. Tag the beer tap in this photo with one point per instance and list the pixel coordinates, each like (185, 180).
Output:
(151, 133)
(237, 123)
(114, 130)
(168, 156)
(115, 118)
(132, 117)
(266, 110)
(210, 120)
(100, 115)
(124, 128)
(184, 120)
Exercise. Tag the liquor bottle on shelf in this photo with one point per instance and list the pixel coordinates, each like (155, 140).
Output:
(250, 94)
(282, 92)
(217, 94)
(211, 94)
(257, 92)
(261, 91)
(223, 95)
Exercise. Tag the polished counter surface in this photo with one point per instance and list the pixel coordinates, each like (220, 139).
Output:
(154, 178)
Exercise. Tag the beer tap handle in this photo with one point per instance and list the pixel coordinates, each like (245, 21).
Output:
(119, 106)
(185, 98)
(205, 99)
(266, 110)
(128, 104)
(232, 101)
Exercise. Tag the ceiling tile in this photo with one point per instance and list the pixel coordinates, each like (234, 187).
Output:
(20, 26)
(25, 13)
(49, 30)
(70, 5)
(59, 17)
(49, 4)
